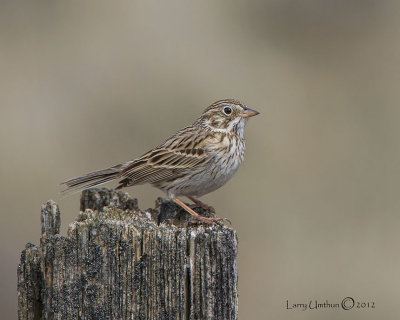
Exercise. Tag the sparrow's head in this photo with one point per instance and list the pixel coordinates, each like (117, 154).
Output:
(227, 115)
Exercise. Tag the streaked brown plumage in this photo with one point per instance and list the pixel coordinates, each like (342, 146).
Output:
(196, 160)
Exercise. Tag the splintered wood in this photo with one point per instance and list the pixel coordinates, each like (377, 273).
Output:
(118, 262)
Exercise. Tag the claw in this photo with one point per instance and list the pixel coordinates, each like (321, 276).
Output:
(196, 216)
(202, 204)
(209, 220)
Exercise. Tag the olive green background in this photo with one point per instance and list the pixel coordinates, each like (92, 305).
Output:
(89, 84)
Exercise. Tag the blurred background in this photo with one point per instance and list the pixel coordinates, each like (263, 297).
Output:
(86, 85)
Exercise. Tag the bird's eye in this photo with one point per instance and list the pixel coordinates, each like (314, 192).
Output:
(227, 110)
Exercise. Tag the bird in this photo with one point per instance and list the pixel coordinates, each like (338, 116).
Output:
(196, 160)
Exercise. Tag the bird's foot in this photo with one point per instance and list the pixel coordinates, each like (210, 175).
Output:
(201, 204)
(209, 220)
(198, 217)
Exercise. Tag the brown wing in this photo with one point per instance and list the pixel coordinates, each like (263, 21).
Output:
(173, 158)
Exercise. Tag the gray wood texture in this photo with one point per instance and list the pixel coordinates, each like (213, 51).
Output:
(119, 262)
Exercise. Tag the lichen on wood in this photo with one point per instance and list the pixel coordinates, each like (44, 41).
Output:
(120, 262)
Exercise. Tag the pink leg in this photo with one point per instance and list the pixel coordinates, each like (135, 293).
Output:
(201, 204)
(195, 214)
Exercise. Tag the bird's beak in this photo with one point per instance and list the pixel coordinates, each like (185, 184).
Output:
(247, 113)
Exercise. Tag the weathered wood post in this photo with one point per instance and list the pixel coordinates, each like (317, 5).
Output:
(118, 262)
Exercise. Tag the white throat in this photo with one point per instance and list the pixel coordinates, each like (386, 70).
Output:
(240, 127)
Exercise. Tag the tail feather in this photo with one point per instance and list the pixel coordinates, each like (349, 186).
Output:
(90, 180)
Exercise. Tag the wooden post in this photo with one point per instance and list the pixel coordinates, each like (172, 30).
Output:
(118, 262)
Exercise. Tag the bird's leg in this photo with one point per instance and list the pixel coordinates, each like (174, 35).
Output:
(201, 204)
(194, 213)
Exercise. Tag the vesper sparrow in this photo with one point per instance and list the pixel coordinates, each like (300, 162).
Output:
(196, 160)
